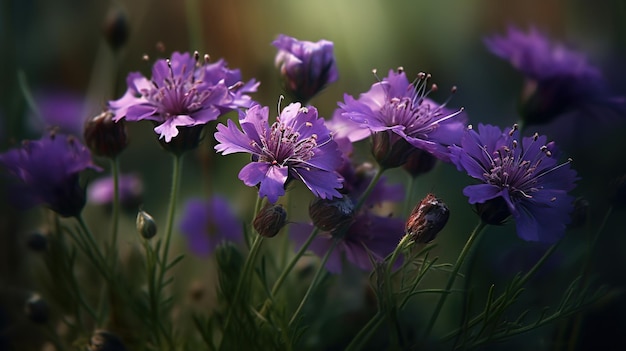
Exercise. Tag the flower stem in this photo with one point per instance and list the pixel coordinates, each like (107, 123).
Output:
(115, 170)
(171, 212)
(314, 282)
(369, 189)
(455, 270)
(283, 275)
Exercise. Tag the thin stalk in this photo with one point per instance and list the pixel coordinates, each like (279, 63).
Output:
(283, 275)
(171, 212)
(314, 282)
(250, 259)
(369, 189)
(115, 171)
(585, 276)
(457, 266)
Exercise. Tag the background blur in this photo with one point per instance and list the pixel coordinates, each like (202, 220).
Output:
(57, 48)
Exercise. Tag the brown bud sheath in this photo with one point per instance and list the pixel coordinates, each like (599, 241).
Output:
(270, 220)
(105, 137)
(332, 215)
(146, 227)
(427, 219)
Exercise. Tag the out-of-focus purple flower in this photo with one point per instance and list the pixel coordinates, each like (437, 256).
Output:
(368, 233)
(521, 177)
(306, 67)
(60, 109)
(559, 79)
(46, 171)
(208, 223)
(183, 92)
(296, 146)
(401, 117)
(100, 191)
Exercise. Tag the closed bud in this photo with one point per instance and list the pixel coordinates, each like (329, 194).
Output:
(332, 215)
(390, 150)
(105, 137)
(103, 340)
(427, 219)
(188, 138)
(37, 241)
(494, 211)
(37, 309)
(419, 162)
(270, 220)
(116, 28)
(146, 226)
(580, 215)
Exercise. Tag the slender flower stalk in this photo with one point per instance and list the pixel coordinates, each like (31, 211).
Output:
(314, 282)
(171, 213)
(455, 270)
(115, 170)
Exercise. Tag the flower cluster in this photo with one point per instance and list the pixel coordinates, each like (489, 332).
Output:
(358, 216)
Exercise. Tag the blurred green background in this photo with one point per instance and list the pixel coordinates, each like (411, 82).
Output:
(59, 46)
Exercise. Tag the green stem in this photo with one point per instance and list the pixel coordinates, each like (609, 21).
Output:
(457, 266)
(369, 189)
(250, 259)
(171, 212)
(92, 249)
(585, 277)
(115, 170)
(281, 279)
(315, 281)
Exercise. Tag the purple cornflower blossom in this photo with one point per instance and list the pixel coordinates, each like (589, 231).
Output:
(183, 92)
(46, 171)
(306, 67)
(100, 191)
(520, 177)
(401, 117)
(296, 146)
(558, 79)
(368, 235)
(60, 109)
(208, 223)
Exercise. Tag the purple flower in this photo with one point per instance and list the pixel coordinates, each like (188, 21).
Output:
(520, 177)
(208, 223)
(100, 191)
(61, 109)
(368, 234)
(559, 79)
(46, 171)
(400, 111)
(306, 67)
(182, 93)
(296, 146)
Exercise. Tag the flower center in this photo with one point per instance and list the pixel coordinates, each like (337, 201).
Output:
(285, 145)
(418, 115)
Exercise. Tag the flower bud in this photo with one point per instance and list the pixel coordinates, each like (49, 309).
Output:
(270, 220)
(37, 241)
(305, 67)
(419, 162)
(105, 137)
(116, 28)
(146, 226)
(188, 138)
(103, 340)
(494, 211)
(332, 215)
(390, 150)
(580, 214)
(37, 309)
(427, 219)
